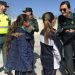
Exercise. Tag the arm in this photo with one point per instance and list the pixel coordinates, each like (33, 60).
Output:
(59, 30)
(36, 28)
(56, 52)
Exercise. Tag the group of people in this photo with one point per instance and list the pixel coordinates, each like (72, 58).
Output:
(57, 46)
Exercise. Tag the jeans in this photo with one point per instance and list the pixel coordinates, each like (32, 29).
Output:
(2, 48)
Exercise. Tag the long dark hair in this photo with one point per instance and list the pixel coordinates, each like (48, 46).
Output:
(8, 38)
(47, 17)
(16, 24)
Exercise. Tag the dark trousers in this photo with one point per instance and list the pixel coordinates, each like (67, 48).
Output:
(20, 73)
(49, 72)
(67, 64)
(3, 49)
(23, 73)
(63, 67)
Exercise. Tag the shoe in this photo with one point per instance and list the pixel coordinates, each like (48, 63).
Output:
(9, 73)
(1, 69)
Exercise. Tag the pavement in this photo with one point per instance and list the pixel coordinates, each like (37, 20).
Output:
(37, 62)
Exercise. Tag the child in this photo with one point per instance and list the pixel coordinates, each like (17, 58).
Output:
(19, 49)
(50, 45)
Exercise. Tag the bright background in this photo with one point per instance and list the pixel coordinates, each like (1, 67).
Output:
(38, 6)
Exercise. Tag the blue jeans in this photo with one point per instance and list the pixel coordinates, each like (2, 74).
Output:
(2, 38)
(2, 48)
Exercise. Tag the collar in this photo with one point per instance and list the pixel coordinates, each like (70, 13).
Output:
(71, 16)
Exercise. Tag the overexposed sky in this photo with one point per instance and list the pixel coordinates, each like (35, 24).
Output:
(39, 6)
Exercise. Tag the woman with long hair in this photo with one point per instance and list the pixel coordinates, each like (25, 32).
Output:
(50, 45)
(19, 49)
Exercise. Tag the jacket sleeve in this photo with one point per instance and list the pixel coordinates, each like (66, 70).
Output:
(36, 27)
(56, 53)
(59, 28)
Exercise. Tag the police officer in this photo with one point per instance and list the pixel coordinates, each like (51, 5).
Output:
(4, 26)
(66, 30)
(28, 11)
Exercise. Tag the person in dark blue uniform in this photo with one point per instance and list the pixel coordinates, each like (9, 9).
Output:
(50, 46)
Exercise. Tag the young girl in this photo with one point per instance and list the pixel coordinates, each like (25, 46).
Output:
(19, 49)
(50, 45)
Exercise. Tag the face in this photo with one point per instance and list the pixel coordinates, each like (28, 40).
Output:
(64, 10)
(2, 8)
(29, 14)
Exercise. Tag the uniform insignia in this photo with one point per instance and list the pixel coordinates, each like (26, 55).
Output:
(72, 22)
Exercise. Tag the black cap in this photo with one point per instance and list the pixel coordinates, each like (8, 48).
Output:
(28, 10)
(4, 3)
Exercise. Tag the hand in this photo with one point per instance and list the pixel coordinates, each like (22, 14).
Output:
(70, 30)
(31, 28)
(53, 30)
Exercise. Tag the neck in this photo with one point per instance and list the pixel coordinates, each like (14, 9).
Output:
(68, 14)
(1, 12)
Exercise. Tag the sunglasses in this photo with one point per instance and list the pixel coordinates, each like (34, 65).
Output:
(64, 9)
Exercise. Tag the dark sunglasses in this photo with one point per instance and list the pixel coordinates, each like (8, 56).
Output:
(64, 9)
